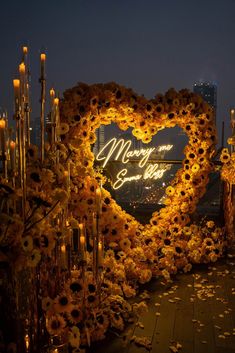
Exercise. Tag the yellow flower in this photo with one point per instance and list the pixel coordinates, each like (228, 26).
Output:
(210, 224)
(75, 314)
(34, 258)
(170, 190)
(63, 129)
(55, 324)
(74, 337)
(27, 243)
(125, 244)
(63, 303)
(47, 303)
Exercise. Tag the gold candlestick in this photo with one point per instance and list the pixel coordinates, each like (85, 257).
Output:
(82, 242)
(16, 85)
(98, 200)
(12, 155)
(3, 147)
(100, 255)
(42, 101)
(52, 118)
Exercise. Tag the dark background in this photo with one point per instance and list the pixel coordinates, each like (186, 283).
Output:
(149, 45)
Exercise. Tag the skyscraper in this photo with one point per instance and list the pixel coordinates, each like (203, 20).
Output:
(100, 140)
(208, 91)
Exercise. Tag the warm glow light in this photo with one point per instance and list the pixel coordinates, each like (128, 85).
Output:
(56, 101)
(121, 150)
(63, 248)
(22, 68)
(52, 92)
(12, 144)
(2, 124)
(82, 240)
(25, 50)
(16, 83)
(43, 57)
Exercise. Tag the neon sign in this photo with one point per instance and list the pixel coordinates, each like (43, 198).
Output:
(122, 150)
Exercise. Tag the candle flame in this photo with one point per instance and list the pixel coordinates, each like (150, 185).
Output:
(12, 144)
(25, 50)
(98, 192)
(16, 83)
(2, 124)
(52, 92)
(56, 101)
(43, 56)
(63, 248)
(22, 68)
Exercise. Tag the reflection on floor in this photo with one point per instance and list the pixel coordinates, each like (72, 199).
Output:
(195, 313)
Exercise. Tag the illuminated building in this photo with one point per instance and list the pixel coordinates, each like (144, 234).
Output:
(100, 140)
(208, 91)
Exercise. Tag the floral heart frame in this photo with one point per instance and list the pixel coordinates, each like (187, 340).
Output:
(84, 108)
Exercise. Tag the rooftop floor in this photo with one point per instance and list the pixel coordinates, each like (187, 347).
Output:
(197, 311)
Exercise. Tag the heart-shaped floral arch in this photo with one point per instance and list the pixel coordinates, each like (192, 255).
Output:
(84, 108)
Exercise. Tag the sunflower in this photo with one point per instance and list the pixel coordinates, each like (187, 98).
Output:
(125, 244)
(195, 168)
(75, 286)
(63, 129)
(47, 242)
(34, 258)
(47, 303)
(225, 156)
(27, 243)
(63, 303)
(101, 319)
(92, 300)
(170, 190)
(75, 314)
(34, 177)
(32, 152)
(55, 324)
(117, 321)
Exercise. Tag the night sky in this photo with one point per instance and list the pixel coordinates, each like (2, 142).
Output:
(149, 45)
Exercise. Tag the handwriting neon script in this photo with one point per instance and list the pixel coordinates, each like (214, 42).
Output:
(121, 150)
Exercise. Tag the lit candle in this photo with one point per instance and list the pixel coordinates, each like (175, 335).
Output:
(12, 155)
(56, 119)
(3, 144)
(22, 85)
(16, 84)
(43, 60)
(22, 68)
(100, 254)
(63, 256)
(25, 50)
(98, 200)
(27, 341)
(52, 95)
(82, 241)
(66, 176)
